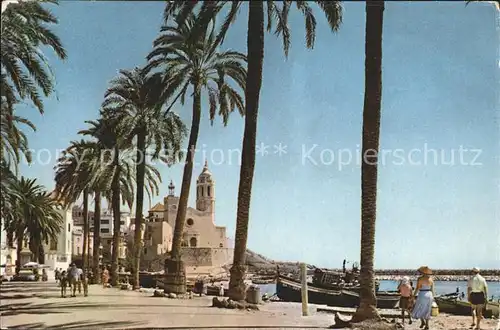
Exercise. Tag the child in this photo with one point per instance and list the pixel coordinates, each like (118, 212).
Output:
(85, 282)
(63, 278)
(406, 299)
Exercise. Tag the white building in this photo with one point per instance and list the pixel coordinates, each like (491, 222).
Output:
(7, 256)
(58, 252)
(107, 221)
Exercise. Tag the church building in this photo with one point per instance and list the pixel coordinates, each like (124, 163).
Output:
(204, 243)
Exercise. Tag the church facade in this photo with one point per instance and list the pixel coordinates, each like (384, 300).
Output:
(204, 243)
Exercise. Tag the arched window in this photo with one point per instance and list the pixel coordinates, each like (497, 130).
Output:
(193, 242)
(190, 222)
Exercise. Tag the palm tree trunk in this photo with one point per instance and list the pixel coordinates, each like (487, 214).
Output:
(97, 237)
(255, 50)
(19, 247)
(175, 273)
(85, 227)
(141, 172)
(115, 204)
(41, 253)
(370, 148)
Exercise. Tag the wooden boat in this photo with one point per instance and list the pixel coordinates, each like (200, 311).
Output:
(288, 289)
(452, 305)
(385, 300)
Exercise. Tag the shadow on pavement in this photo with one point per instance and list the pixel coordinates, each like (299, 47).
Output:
(240, 327)
(63, 307)
(16, 296)
(78, 325)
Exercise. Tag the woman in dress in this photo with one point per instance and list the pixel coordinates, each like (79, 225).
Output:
(406, 299)
(105, 277)
(424, 292)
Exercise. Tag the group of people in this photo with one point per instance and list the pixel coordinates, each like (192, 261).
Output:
(418, 302)
(74, 278)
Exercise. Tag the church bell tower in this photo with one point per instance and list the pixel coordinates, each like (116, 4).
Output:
(205, 191)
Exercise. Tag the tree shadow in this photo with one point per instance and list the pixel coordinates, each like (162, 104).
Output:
(78, 325)
(61, 307)
(240, 327)
(16, 296)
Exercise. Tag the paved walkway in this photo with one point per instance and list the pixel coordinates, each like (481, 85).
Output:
(39, 306)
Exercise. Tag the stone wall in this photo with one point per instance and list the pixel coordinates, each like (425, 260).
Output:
(213, 257)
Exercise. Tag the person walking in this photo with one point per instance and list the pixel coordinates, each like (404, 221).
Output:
(63, 281)
(425, 296)
(57, 275)
(85, 283)
(74, 275)
(477, 291)
(105, 277)
(406, 298)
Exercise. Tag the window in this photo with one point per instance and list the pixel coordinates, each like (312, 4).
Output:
(208, 191)
(145, 251)
(190, 222)
(53, 244)
(193, 242)
(69, 227)
(221, 245)
(105, 222)
(105, 230)
(109, 241)
(122, 222)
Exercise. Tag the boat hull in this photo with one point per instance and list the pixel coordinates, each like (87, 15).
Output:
(459, 307)
(289, 290)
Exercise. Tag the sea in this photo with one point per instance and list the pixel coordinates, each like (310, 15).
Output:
(441, 287)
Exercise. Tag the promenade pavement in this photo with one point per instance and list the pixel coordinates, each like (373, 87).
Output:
(38, 305)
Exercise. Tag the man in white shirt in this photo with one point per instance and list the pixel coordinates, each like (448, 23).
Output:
(477, 291)
(75, 275)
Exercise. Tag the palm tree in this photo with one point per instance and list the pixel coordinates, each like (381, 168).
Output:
(135, 96)
(255, 54)
(34, 216)
(371, 136)
(13, 141)
(74, 173)
(196, 63)
(104, 138)
(24, 67)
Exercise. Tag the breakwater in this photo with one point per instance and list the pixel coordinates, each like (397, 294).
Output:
(442, 278)
(437, 272)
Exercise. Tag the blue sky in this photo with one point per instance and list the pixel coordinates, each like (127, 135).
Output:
(440, 92)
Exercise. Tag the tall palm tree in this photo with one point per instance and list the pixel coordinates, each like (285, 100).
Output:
(24, 67)
(255, 54)
(135, 96)
(195, 62)
(104, 137)
(371, 137)
(74, 173)
(35, 216)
